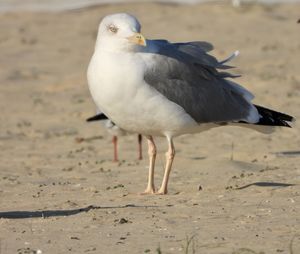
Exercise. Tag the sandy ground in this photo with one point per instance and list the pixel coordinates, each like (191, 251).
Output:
(232, 190)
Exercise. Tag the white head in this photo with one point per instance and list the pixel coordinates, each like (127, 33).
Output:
(120, 31)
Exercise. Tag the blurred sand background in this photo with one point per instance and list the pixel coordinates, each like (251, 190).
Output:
(232, 190)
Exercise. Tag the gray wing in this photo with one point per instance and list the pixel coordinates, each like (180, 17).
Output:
(197, 45)
(200, 45)
(195, 84)
(194, 53)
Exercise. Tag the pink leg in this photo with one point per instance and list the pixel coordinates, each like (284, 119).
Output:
(152, 155)
(140, 147)
(170, 154)
(115, 142)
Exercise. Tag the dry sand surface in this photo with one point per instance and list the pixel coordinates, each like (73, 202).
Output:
(232, 190)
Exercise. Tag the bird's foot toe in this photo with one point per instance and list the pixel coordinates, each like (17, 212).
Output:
(148, 191)
(162, 192)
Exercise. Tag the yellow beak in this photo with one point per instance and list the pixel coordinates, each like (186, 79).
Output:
(138, 39)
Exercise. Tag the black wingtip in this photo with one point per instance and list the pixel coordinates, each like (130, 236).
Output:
(273, 118)
(97, 117)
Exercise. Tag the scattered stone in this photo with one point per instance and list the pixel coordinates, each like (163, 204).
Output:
(79, 140)
(122, 221)
(91, 249)
(119, 186)
(68, 169)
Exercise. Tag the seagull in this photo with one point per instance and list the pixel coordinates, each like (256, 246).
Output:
(159, 88)
(115, 131)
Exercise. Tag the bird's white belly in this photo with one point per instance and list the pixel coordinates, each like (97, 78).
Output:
(119, 90)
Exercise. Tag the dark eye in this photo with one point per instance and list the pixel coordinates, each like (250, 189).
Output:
(113, 29)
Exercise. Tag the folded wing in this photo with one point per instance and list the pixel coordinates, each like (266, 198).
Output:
(186, 75)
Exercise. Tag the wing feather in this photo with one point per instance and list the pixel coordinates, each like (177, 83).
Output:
(188, 76)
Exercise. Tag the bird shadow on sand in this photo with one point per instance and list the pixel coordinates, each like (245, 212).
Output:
(58, 213)
(266, 184)
(288, 153)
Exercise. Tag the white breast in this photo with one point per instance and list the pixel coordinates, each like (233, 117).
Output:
(118, 88)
